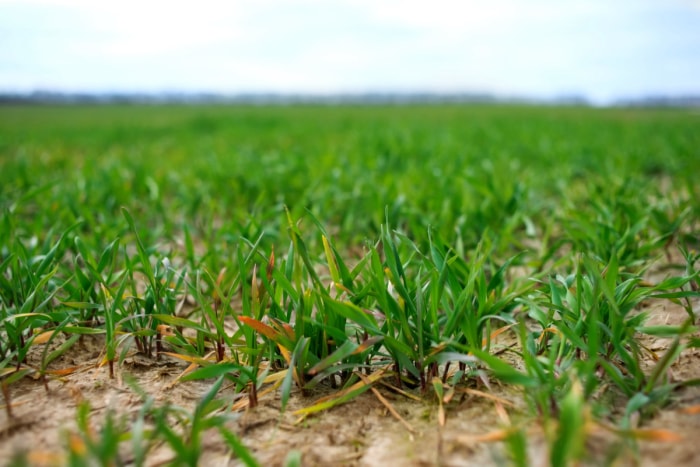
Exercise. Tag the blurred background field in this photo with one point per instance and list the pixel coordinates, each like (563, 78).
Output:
(458, 169)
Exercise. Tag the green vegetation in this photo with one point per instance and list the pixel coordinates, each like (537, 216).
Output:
(297, 246)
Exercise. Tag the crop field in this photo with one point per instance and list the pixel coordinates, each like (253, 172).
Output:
(352, 285)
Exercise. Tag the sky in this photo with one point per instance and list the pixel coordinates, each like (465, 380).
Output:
(600, 49)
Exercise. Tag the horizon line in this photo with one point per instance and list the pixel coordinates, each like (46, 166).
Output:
(343, 97)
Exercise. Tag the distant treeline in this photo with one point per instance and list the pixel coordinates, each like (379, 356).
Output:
(51, 97)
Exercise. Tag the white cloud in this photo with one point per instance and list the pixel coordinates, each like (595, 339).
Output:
(540, 47)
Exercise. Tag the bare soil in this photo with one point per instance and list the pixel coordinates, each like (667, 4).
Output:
(361, 432)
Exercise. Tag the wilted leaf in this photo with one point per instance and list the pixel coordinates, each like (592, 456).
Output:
(42, 338)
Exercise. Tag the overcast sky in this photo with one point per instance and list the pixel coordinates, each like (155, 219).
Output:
(602, 49)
